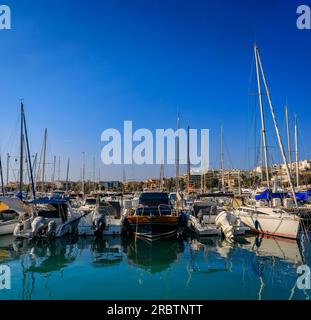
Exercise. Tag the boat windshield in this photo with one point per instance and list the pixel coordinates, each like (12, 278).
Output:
(153, 199)
(90, 201)
(53, 211)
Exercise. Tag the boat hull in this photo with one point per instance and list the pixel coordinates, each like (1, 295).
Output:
(7, 227)
(153, 227)
(275, 226)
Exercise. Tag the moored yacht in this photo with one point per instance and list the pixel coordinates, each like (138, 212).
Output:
(154, 218)
(53, 218)
(271, 221)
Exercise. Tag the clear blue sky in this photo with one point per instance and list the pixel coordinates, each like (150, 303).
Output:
(84, 66)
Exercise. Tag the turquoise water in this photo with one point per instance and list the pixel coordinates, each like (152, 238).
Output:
(187, 268)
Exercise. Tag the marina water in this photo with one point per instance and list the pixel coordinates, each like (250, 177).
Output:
(183, 268)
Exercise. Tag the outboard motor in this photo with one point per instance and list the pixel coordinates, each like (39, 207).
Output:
(223, 221)
(51, 231)
(99, 223)
(38, 226)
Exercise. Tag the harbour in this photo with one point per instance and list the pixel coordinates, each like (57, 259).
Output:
(86, 268)
(154, 154)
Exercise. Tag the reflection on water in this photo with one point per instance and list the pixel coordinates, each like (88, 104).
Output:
(189, 268)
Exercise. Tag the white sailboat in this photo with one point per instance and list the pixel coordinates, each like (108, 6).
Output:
(267, 220)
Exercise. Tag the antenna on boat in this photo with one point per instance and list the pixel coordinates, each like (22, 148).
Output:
(277, 130)
(263, 129)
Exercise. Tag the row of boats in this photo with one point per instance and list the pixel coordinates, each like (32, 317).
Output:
(151, 215)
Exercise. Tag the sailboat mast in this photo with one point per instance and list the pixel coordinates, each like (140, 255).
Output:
(67, 174)
(288, 139)
(1, 175)
(58, 169)
(203, 184)
(83, 170)
(177, 156)
(44, 154)
(263, 129)
(222, 159)
(7, 170)
(188, 159)
(21, 169)
(260, 155)
(296, 151)
(278, 132)
(54, 165)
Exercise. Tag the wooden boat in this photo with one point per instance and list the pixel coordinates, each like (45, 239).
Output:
(154, 218)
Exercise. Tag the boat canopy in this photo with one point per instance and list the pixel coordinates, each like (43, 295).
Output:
(55, 201)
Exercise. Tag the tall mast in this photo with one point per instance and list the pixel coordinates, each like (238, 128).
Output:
(278, 132)
(222, 159)
(29, 159)
(54, 166)
(296, 151)
(177, 156)
(188, 160)
(83, 170)
(263, 129)
(21, 169)
(203, 163)
(67, 174)
(7, 170)
(44, 155)
(260, 155)
(288, 139)
(58, 169)
(1, 175)
(94, 173)
(161, 176)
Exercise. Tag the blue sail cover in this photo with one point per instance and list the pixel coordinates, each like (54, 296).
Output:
(302, 196)
(269, 195)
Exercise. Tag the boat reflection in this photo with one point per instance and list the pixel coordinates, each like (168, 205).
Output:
(154, 256)
(286, 250)
(7, 253)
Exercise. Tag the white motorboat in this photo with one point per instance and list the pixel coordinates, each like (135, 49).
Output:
(12, 210)
(271, 221)
(53, 218)
(202, 227)
(103, 220)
